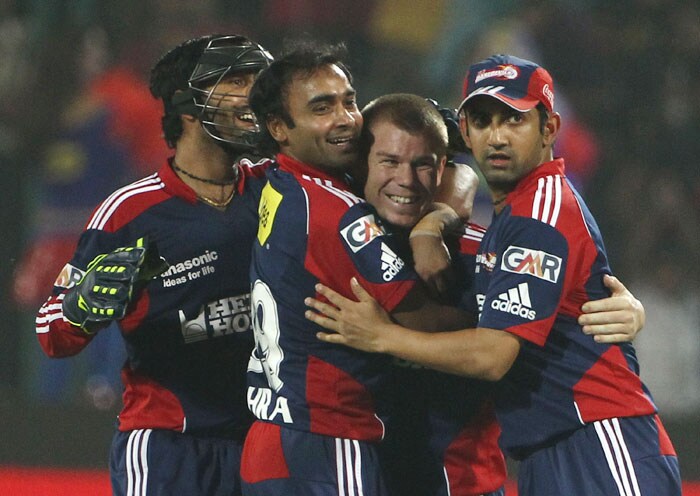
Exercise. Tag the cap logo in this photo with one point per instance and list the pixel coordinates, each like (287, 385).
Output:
(501, 72)
(549, 94)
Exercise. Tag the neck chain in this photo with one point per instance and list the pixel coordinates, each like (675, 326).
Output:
(227, 182)
(215, 203)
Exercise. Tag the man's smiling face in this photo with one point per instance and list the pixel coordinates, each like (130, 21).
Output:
(326, 119)
(403, 174)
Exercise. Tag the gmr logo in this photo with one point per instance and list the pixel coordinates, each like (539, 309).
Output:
(532, 262)
(361, 232)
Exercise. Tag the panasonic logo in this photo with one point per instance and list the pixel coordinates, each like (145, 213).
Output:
(192, 263)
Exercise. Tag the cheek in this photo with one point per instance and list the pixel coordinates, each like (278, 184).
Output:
(428, 179)
(358, 118)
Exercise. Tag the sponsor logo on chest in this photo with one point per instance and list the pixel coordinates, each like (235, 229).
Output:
(190, 269)
(217, 318)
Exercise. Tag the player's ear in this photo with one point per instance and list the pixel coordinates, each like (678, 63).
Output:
(189, 119)
(440, 170)
(277, 128)
(551, 128)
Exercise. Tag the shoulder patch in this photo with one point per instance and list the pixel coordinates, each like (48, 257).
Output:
(361, 232)
(267, 209)
(536, 263)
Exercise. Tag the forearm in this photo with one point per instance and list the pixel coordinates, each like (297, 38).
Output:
(479, 353)
(441, 219)
(458, 188)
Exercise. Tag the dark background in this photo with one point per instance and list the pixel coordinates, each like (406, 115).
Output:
(76, 121)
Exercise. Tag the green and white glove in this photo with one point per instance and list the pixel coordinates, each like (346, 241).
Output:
(105, 291)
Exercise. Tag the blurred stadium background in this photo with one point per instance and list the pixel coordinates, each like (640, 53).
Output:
(76, 121)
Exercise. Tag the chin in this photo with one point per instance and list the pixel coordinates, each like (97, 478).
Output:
(402, 222)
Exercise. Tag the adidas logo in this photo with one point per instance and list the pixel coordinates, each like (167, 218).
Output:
(391, 263)
(515, 301)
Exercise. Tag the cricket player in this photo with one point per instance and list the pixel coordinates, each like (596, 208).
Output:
(185, 324)
(572, 409)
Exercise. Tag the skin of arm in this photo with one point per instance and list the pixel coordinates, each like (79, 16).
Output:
(481, 353)
(418, 311)
(431, 258)
(457, 189)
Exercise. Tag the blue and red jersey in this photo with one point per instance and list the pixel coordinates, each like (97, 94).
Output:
(314, 229)
(443, 438)
(541, 258)
(188, 332)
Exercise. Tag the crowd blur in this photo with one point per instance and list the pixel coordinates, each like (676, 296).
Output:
(76, 121)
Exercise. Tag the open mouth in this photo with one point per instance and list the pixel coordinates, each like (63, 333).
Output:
(247, 117)
(403, 200)
(341, 141)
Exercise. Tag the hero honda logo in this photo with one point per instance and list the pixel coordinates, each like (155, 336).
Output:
(536, 263)
(501, 72)
(361, 232)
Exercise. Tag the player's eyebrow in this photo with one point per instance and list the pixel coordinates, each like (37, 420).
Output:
(330, 97)
(387, 155)
(423, 159)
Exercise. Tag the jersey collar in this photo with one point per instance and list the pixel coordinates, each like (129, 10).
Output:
(552, 168)
(177, 187)
(292, 165)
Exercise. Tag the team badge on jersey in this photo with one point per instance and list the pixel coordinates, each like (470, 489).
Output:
(531, 262)
(485, 260)
(267, 209)
(361, 232)
(69, 277)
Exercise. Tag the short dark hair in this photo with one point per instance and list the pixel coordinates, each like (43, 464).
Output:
(268, 95)
(411, 113)
(171, 74)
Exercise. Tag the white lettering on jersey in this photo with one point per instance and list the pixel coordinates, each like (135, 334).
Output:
(259, 402)
(515, 301)
(221, 316)
(361, 232)
(391, 263)
(531, 262)
(268, 355)
(189, 270)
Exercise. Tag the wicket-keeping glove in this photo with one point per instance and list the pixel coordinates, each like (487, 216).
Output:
(104, 292)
